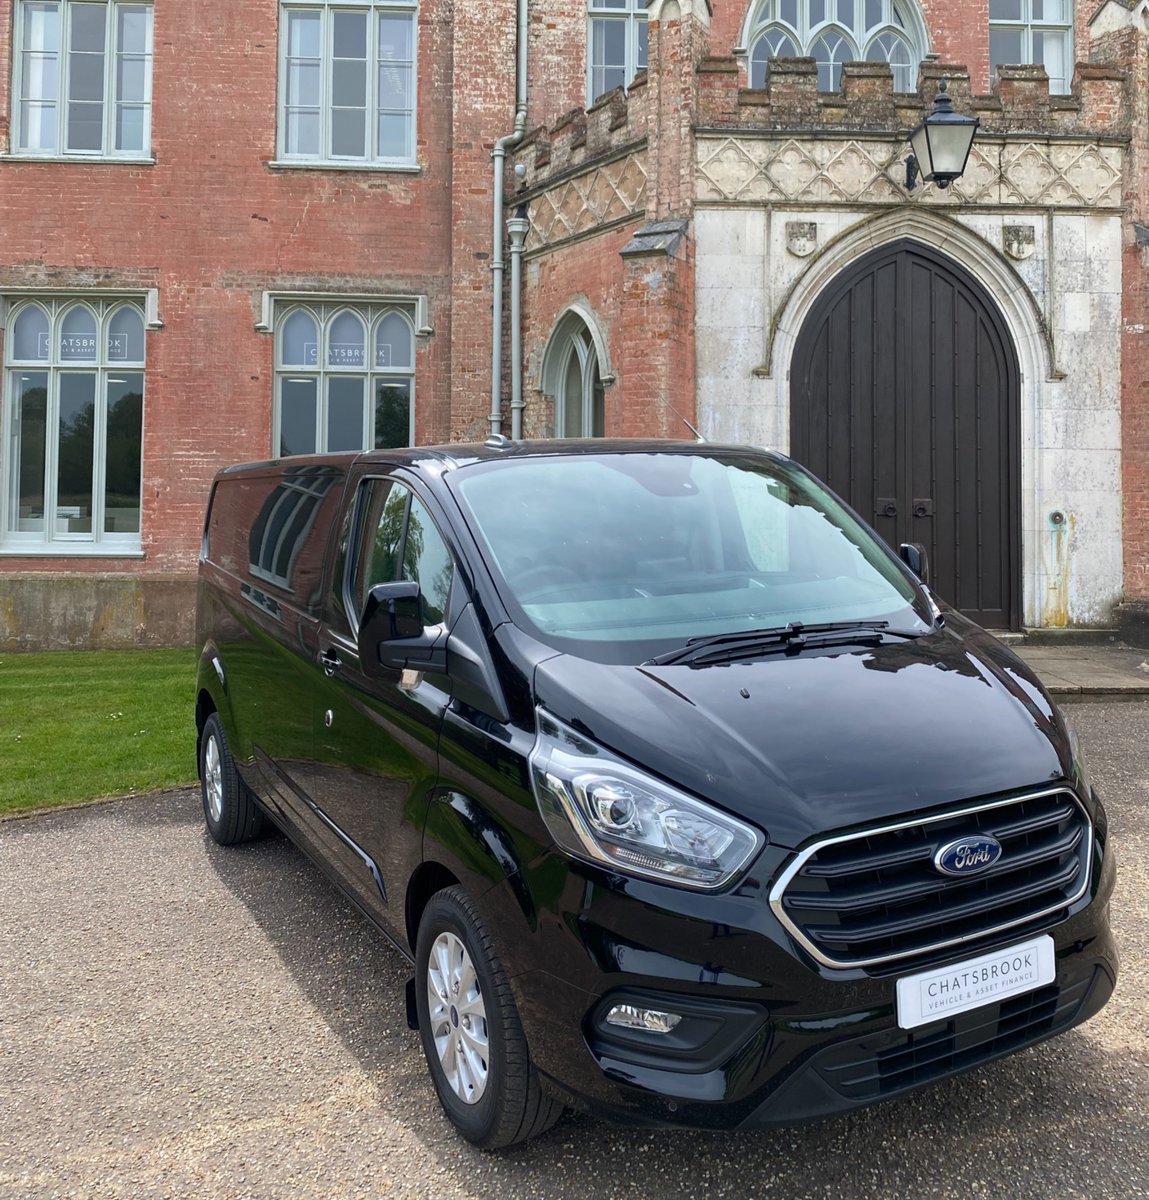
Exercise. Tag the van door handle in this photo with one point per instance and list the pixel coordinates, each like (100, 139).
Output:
(331, 662)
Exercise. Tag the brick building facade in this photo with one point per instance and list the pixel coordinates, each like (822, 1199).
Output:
(230, 232)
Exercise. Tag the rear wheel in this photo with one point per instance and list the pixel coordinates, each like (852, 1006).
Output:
(471, 1033)
(229, 808)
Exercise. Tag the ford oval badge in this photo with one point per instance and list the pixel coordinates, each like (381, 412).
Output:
(968, 855)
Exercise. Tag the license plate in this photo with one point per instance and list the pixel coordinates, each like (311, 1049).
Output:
(960, 987)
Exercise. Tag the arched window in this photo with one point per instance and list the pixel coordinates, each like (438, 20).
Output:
(572, 375)
(73, 427)
(345, 379)
(834, 32)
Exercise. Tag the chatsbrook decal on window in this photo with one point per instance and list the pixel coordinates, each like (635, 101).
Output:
(347, 81)
(73, 424)
(83, 78)
(345, 377)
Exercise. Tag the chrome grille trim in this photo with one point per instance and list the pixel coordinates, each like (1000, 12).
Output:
(799, 861)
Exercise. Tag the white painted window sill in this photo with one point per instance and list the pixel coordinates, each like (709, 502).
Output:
(44, 550)
(84, 159)
(291, 164)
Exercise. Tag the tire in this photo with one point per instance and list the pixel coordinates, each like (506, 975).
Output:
(491, 1091)
(229, 808)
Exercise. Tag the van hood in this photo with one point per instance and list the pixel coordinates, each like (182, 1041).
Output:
(805, 743)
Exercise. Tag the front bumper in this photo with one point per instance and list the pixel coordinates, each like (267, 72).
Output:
(802, 1043)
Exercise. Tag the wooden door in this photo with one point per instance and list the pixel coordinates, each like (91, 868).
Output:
(904, 398)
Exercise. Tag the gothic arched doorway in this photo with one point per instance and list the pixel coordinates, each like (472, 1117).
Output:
(904, 397)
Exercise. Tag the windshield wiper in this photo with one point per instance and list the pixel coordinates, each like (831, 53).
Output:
(725, 647)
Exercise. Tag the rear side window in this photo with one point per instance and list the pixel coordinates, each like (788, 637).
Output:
(397, 538)
(275, 528)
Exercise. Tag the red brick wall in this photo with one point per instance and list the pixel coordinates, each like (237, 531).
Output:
(211, 226)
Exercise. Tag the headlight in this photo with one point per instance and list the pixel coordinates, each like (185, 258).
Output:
(1082, 779)
(603, 810)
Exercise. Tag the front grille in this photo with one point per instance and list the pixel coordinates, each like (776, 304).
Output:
(872, 897)
(883, 1064)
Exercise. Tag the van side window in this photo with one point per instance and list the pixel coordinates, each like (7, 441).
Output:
(399, 540)
(427, 559)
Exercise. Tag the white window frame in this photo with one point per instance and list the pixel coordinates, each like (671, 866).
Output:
(324, 311)
(324, 156)
(632, 13)
(1027, 26)
(900, 19)
(110, 102)
(50, 541)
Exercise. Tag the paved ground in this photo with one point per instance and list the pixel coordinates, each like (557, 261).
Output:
(181, 1020)
(1088, 671)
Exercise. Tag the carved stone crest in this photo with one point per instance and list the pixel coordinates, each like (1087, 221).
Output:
(801, 237)
(1017, 240)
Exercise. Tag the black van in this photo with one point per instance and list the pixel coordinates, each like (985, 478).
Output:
(686, 798)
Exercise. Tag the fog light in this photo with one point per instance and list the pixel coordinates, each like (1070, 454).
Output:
(629, 1016)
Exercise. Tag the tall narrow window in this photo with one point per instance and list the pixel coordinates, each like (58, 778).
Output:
(74, 392)
(1033, 31)
(618, 44)
(83, 78)
(345, 378)
(837, 31)
(347, 81)
(572, 375)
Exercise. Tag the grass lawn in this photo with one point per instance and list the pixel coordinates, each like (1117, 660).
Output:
(77, 725)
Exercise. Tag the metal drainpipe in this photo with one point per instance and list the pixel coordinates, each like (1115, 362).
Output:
(517, 228)
(499, 154)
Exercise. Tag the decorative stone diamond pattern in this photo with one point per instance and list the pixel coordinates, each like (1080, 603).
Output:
(779, 169)
(597, 197)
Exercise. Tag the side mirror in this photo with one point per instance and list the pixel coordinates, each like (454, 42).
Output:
(914, 555)
(392, 634)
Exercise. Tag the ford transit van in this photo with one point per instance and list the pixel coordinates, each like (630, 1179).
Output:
(685, 798)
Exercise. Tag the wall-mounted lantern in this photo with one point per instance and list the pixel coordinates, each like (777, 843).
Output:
(940, 144)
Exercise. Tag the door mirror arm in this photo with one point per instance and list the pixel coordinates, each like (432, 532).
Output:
(392, 636)
(914, 555)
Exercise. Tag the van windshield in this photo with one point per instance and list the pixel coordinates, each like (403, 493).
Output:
(620, 556)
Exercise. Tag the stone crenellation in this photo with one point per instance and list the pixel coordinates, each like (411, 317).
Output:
(866, 100)
(614, 122)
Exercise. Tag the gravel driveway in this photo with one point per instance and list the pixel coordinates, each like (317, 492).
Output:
(178, 1019)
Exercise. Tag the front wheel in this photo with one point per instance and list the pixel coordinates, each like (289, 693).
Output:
(230, 810)
(471, 1033)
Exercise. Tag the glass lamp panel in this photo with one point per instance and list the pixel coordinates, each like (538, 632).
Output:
(299, 346)
(76, 445)
(297, 415)
(30, 438)
(345, 342)
(78, 341)
(126, 336)
(345, 397)
(30, 335)
(949, 144)
(122, 454)
(393, 342)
